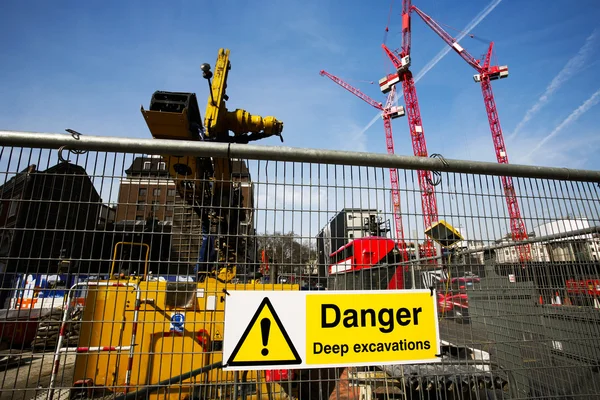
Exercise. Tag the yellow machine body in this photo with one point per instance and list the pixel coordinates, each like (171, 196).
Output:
(160, 351)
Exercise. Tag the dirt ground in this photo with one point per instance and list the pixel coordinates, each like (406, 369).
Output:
(28, 375)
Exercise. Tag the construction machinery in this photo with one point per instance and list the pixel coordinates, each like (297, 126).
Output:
(485, 74)
(389, 111)
(205, 184)
(152, 338)
(401, 62)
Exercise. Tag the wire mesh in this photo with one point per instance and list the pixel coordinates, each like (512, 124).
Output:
(102, 254)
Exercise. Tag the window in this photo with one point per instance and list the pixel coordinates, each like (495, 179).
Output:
(155, 205)
(139, 218)
(147, 165)
(169, 218)
(162, 166)
(170, 205)
(142, 192)
(171, 192)
(156, 192)
(12, 209)
(140, 205)
(343, 254)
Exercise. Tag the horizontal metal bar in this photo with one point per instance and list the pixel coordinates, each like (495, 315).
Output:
(284, 153)
(93, 349)
(547, 238)
(144, 391)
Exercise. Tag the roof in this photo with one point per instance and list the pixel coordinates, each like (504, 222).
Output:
(18, 178)
(239, 168)
(137, 167)
(60, 168)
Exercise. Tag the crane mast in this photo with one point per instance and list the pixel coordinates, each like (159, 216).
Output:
(390, 111)
(415, 124)
(485, 75)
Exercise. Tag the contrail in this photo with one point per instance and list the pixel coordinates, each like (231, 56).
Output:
(571, 68)
(370, 124)
(438, 57)
(582, 109)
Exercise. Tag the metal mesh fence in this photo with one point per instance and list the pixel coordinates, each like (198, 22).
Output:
(100, 251)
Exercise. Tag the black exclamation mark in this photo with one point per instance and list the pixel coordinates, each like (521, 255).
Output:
(265, 327)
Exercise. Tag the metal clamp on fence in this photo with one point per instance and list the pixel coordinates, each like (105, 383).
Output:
(437, 174)
(76, 135)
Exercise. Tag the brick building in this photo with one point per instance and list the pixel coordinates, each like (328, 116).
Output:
(147, 192)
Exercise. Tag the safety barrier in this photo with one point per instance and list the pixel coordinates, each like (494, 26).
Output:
(122, 277)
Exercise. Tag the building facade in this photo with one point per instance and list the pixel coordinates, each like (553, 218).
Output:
(348, 224)
(510, 254)
(571, 246)
(148, 193)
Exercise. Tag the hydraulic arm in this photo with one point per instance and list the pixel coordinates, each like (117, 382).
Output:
(206, 183)
(219, 121)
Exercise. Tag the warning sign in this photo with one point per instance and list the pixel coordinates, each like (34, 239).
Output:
(265, 341)
(379, 328)
(281, 330)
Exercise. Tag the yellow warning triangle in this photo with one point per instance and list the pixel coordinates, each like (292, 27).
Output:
(265, 341)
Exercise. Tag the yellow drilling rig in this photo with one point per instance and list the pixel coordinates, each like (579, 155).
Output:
(143, 338)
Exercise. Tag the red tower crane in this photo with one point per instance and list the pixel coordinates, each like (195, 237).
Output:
(485, 74)
(401, 62)
(390, 111)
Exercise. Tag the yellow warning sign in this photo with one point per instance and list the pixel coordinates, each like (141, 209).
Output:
(381, 327)
(329, 329)
(265, 341)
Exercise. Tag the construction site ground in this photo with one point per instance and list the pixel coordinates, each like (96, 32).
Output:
(24, 374)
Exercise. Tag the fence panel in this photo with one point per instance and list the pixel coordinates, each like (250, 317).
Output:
(114, 273)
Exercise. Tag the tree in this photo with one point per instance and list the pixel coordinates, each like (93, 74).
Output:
(287, 251)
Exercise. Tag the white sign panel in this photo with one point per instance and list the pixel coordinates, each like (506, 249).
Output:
(304, 329)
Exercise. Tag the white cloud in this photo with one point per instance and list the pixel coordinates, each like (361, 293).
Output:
(572, 67)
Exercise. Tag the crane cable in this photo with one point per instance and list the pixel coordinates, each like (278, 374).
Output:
(385, 35)
(469, 34)
(387, 25)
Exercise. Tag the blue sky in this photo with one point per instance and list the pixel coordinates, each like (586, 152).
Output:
(89, 66)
